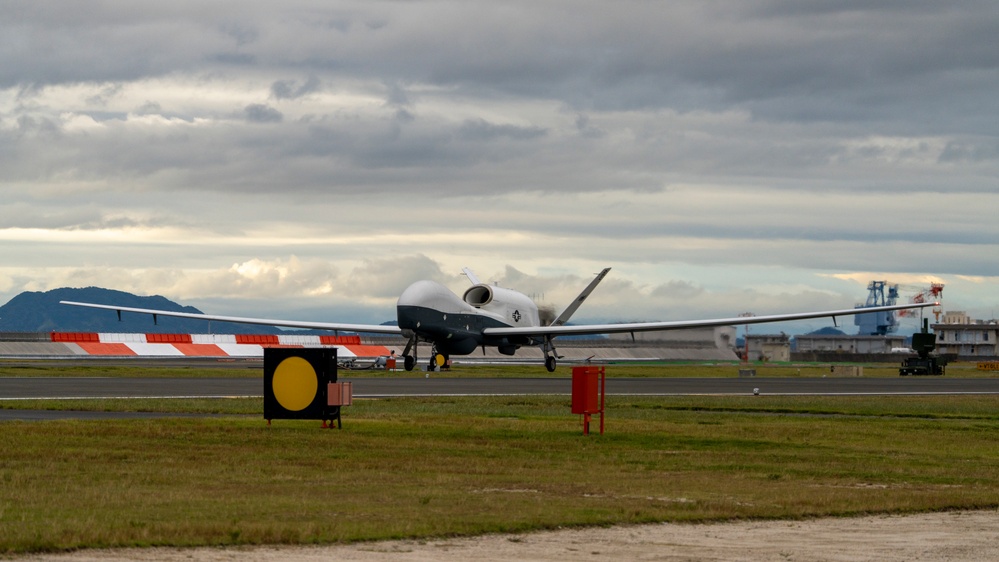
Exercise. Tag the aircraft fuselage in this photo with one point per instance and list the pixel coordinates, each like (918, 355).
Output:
(455, 325)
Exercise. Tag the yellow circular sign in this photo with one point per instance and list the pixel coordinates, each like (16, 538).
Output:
(295, 384)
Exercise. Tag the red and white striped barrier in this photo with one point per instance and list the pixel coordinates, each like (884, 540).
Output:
(207, 345)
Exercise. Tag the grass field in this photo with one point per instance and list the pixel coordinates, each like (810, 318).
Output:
(426, 467)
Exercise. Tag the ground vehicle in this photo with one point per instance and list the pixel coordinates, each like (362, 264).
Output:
(923, 364)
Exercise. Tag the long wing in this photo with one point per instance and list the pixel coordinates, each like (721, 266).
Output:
(372, 328)
(681, 324)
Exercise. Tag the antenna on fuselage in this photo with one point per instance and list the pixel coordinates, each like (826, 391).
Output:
(571, 309)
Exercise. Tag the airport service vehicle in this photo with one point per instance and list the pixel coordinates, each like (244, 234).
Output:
(923, 364)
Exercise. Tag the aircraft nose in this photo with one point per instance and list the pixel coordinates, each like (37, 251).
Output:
(421, 293)
(431, 295)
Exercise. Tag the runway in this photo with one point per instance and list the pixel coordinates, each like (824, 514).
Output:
(71, 388)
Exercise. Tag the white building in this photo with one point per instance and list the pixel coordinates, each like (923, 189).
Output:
(847, 344)
(769, 347)
(959, 335)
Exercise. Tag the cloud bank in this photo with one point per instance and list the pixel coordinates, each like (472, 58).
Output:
(314, 157)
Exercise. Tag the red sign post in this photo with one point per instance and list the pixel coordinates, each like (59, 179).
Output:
(588, 389)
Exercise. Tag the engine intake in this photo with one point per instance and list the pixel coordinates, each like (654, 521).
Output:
(479, 295)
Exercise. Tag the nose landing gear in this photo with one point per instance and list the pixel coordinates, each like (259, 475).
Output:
(438, 361)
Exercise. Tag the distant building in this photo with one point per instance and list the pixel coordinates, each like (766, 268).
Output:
(769, 347)
(808, 343)
(959, 335)
(720, 337)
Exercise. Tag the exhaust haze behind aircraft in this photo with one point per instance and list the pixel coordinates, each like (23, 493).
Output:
(488, 315)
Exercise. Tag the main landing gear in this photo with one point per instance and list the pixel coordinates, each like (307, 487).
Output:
(550, 354)
(409, 361)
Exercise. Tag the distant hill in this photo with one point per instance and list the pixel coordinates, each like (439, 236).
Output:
(41, 312)
(827, 331)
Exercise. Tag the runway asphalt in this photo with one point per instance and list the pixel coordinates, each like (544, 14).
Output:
(14, 388)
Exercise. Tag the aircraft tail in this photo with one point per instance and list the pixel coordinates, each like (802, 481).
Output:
(471, 276)
(571, 309)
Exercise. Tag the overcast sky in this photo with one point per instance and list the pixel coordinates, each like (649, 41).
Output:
(309, 159)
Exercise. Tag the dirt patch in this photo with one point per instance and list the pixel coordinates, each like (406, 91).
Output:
(964, 535)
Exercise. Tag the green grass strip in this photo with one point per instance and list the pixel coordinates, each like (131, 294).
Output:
(426, 467)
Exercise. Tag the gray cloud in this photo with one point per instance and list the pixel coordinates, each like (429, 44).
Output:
(291, 89)
(480, 130)
(261, 113)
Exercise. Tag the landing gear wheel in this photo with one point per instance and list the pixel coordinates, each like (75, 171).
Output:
(409, 362)
(436, 359)
(550, 364)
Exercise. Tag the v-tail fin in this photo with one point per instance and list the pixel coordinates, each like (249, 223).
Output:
(562, 318)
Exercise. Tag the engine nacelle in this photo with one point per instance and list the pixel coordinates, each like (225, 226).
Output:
(513, 308)
(479, 295)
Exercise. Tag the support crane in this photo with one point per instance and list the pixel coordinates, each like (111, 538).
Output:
(933, 293)
(882, 293)
(878, 323)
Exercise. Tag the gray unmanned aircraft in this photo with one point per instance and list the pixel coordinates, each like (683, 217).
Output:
(488, 315)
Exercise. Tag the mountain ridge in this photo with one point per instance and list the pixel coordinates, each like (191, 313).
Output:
(34, 311)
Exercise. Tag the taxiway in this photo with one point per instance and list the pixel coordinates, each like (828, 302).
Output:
(69, 388)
